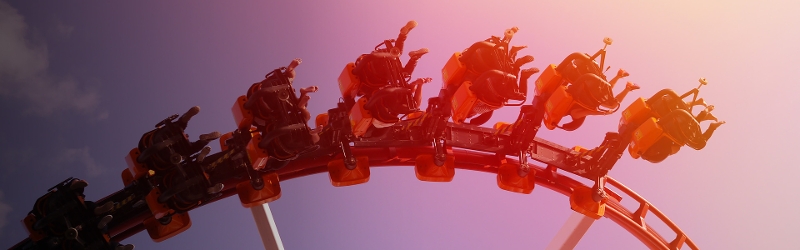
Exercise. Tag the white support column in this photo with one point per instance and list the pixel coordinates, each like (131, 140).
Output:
(266, 227)
(571, 233)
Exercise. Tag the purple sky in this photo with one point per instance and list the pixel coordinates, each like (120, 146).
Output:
(81, 81)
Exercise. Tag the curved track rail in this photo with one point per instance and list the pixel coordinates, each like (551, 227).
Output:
(548, 177)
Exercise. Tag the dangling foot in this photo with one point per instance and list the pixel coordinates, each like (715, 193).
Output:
(631, 86)
(210, 136)
(409, 26)
(215, 189)
(514, 49)
(700, 102)
(418, 53)
(706, 115)
(203, 153)
(139, 203)
(290, 69)
(124, 247)
(296, 62)
(622, 73)
(309, 89)
(711, 128)
(621, 96)
(510, 33)
(104, 208)
(526, 73)
(523, 60)
(104, 221)
(421, 81)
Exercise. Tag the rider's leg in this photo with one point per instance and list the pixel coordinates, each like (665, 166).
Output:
(303, 102)
(523, 60)
(523, 79)
(620, 74)
(706, 115)
(290, 69)
(416, 88)
(711, 129)
(514, 49)
(401, 38)
(628, 88)
(412, 61)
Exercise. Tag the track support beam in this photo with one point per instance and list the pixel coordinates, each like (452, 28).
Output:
(266, 227)
(571, 233)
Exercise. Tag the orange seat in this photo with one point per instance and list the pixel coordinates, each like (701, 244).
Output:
(127, 177)
(548, 81)
(158, 209)
(242, 116)
(28, 222)
(360, 118)
(636, 113)
(453, 71)
(137, 169)
(466, 104)
(557, 106)
(348, 82)
(257, 155)
(645, 136)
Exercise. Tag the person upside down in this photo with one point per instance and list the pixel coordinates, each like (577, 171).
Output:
(494, 70)
(386, 84)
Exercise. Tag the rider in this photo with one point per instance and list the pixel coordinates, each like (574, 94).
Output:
(397, 48)
(385, 82)
(493, 68)
(393, 48)
(302, 103)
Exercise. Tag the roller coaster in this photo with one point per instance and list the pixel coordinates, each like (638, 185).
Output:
(379, 122)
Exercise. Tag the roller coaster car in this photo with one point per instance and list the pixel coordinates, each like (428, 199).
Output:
(63, 219)
(261, 188)
(384, 89)
(167, 145)
(276, 113)
(578, 87)
(661, 125)
(335, 131)
(484, 78)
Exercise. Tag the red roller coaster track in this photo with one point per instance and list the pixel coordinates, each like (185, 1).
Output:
(632, 221)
